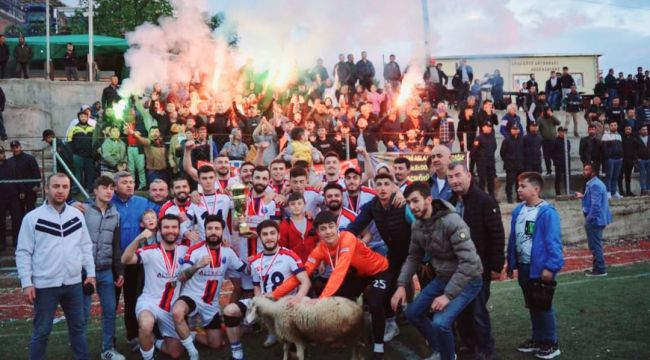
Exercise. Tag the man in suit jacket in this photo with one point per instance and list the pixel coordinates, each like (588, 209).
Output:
(595, 206)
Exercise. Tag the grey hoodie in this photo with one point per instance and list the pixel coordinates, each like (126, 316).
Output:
(446, 239)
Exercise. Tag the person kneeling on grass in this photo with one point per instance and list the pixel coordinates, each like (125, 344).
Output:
(205, 266)
(535, 250)
(439, 232)
(268, 270)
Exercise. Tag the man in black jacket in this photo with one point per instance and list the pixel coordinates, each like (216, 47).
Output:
(25, 167)
(533, 149)
(512, 154)
(3, 131)
(365, 71)
(109, 95)
(8, 202)
(590, 151)
(4, 56)
(642, 152)
(573, 105)
(485, 145)
(558, 155)
(481, 213)
(393, 228)
(629, 158)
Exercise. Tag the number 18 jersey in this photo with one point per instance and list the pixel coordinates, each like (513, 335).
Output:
(270, 270)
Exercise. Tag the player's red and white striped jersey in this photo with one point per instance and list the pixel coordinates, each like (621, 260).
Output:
(340, 181)
(346, 217)
(206, 283)
(160, 271)
(403, 186)
(364, 195)
(215, 204)
(170, 207)
(270, 270)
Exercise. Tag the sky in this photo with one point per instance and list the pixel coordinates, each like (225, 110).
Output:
(613, 28)
(301, 31)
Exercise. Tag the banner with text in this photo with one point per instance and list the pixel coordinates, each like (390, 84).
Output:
(419, 169)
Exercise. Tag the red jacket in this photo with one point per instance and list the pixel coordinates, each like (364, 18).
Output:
(293, 240)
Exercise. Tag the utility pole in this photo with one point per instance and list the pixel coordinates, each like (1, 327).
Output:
(47, 39)
(427, 30)
(91, 58)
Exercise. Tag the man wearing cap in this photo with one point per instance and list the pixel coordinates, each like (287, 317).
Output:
(61, 148)
(559, 159)
(590, 150)
(8, 202)
(25, 167)
(80, 138)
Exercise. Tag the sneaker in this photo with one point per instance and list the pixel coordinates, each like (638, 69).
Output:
(270, 340)
(528, 346)
(391, 331)
(548, 351)
(617, 196)
(592, 273)
(112, 354)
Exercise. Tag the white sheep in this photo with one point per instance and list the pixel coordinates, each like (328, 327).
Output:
(325, 321)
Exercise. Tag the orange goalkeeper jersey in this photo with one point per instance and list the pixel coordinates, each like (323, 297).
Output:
(349, 252)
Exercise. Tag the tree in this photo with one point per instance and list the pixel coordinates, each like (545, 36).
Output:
(77, 23)
(117, 17)
(218, 19)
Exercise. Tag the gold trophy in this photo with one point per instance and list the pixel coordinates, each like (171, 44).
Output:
(238, 196)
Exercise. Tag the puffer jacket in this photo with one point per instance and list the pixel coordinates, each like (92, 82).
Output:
(446, 238)
(104, 231)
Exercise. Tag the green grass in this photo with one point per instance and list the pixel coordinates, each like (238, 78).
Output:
(604, 318)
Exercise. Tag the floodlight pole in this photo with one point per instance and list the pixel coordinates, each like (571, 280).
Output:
(427, 30)
(91, 59)
(47, 39)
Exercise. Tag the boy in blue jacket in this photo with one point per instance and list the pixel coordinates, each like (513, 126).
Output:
(535, 250)
(595, 207)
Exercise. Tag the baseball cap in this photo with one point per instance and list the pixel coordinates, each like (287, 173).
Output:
(561, 129)
(46, 133)
(14, 143)
(352, 170)
(85, 107)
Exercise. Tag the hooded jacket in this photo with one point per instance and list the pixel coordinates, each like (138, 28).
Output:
(446, 238)
(546, 252)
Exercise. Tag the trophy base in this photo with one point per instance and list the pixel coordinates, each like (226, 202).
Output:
(244, 230)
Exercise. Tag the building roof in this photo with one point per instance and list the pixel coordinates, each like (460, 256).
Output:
(53, 3)
(508, 56)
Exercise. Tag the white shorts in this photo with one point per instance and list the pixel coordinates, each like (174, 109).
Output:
(163, 318)
(206, 312)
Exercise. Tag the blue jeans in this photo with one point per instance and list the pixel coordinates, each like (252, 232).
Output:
(106, 293)
(543, 322)
(438, 331)
(595, 241)
(474, 323)
(613, 172)
(553, 98)
(47, 299)
(644, 174)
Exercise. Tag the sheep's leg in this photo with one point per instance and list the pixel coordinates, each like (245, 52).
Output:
(286, 346)
(300, 351)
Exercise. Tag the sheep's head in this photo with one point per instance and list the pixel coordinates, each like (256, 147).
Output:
(251, 312)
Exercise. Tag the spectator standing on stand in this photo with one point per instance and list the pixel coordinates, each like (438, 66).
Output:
(559, 156)
(365, 71)
(23, 55)
(4, 56)
(8, 202)
(547, 123)
(590, 150)
(612, 146)
(512, 154)
(573, 105)
(25, 167)
(3, 131)
(533, 149)
(642, 152)
(70, 61)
